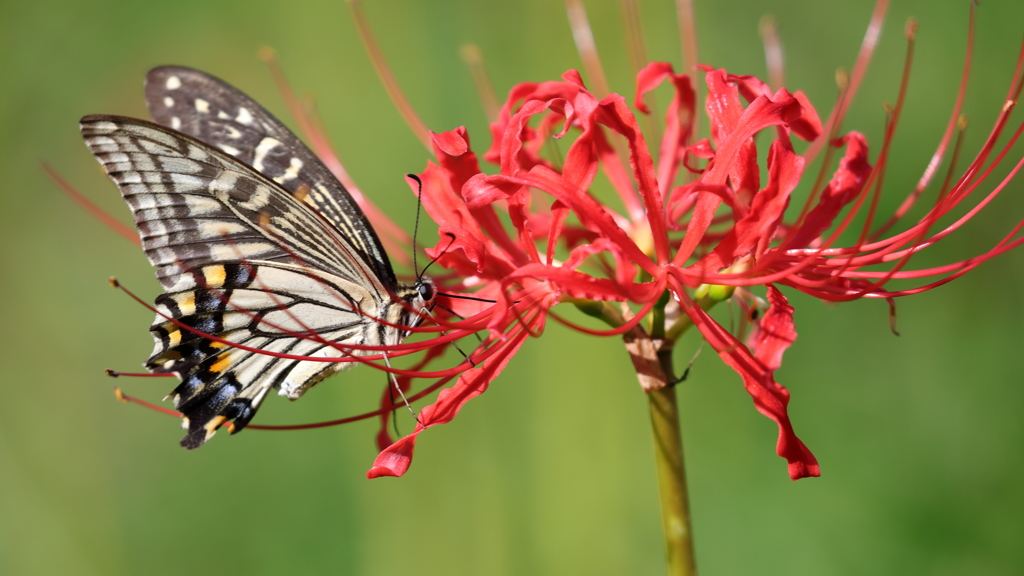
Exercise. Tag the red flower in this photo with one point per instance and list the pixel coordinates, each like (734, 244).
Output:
(672, 233)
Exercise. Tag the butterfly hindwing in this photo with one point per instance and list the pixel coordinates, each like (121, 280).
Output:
(260, 306)
(209, 109)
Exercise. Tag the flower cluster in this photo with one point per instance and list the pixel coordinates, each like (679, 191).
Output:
(698, 221)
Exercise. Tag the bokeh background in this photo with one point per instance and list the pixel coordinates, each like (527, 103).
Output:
(920, 437)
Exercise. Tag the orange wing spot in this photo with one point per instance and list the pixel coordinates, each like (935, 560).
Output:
(221, 364)
(217, 345)
(186, 303)
(212, 426)
(214, 276)
(174, 338)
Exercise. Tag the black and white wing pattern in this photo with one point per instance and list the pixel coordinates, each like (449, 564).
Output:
(211, 110)
(242, 259)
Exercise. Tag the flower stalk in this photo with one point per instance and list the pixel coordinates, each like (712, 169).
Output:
(651, 354)
(671, 472)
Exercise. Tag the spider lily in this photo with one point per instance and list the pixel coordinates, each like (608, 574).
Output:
(698, 221)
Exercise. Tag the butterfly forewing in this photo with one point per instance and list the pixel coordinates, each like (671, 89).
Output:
(193, 204)
(241, 259)
(215, 112)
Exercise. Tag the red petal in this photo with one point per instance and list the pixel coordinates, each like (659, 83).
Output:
(807, 126)
(722, 105)
(678, 117)
(395, 459)
(776, 331)
(845, 185)
(758, 226)
(617, 116)
(770, 398)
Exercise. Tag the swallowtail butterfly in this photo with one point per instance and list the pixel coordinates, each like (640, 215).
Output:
(254, 242)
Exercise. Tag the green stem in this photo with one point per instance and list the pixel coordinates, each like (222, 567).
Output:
(675, 507)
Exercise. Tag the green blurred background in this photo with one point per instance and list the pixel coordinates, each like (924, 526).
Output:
(919, 437)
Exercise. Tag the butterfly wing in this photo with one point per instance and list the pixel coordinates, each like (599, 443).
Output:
(239, 258)
(213, 111)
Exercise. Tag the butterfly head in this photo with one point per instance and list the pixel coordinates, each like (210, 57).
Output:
(417, 302)
(424, 293)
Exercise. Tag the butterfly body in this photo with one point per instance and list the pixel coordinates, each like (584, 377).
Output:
(255, 243)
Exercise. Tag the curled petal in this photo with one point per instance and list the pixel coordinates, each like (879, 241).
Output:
(525, 92)
(512, 161)
(649, 78)
(395, 459)
(762, 113)
(846, 184)
(678, 118)
(447, 207)
(770, 398)
(617, 116)
(776, 331)
(455, 156)
(459, 247)
(482, 190)
(758, 225)
(807, 125)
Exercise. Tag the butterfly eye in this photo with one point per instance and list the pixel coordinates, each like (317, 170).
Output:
(427, 291)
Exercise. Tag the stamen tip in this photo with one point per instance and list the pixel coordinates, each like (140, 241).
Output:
(113, 282)
(120, 395)
(842, 78)
(910, 30)
(470, 54)
(267, 54)
(112, 373)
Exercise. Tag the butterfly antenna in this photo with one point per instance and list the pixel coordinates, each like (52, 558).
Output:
(443, 252)
(416, 224)
(473, 298)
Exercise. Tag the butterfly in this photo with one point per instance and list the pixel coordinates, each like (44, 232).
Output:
(254, 242)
